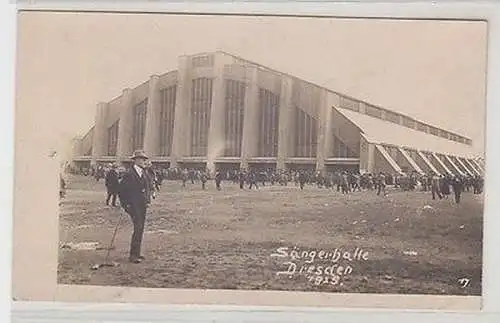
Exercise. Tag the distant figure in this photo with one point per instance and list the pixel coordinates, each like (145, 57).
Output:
(345, 183)
(218, 180)
(458, 187)
(302, 179)
(112, 185)
(436, 187)
(184, 177)
(381, 184)
(241, 179)
(445, 186)
(252, 179)
(203, 179)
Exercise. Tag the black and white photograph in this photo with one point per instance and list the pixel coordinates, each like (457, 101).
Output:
(264, 153)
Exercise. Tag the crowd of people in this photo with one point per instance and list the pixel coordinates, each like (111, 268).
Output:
(346, 182)
(135, 187)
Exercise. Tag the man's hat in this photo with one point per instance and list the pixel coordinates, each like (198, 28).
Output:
(139, 154)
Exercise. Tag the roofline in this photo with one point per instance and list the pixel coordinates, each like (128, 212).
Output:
(334, 92)
(299, 79)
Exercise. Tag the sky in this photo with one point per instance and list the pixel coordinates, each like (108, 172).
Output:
(431, 70)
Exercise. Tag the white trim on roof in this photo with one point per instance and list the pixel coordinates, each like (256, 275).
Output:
(379, 131)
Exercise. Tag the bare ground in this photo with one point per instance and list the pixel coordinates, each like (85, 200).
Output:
(223, 240)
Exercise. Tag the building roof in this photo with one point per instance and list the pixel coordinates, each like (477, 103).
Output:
(382, 132)
(241, 59)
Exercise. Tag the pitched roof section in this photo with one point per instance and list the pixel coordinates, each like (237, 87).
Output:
(343, 95)
(382, 132)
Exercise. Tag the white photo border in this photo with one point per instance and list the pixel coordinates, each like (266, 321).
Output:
(430, 10)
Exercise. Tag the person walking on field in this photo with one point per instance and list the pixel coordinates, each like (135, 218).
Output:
(436, 187)
(203, 179)
(112, 185)
(458, 187)
(135, 197)
(302, 179)
(381, 184)
(218, 180)
(252, 179)
(241, 179)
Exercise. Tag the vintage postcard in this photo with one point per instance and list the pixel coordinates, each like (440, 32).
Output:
(250, 160)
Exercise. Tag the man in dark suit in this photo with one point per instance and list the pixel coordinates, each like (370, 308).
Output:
(112, 185)
(135, 196)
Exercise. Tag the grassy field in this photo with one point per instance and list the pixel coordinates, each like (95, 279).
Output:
(224, 239)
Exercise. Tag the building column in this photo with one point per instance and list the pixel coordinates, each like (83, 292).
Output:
(371, 158)
(441, 163)
(478, 165)
(428, 163)
(325, 135)
(410, 160)
(450, 161)
(152, 131)
(285, 115)
(250, 138)
(474, 168)
(366, 155)
(216, 138)
(100, 135)
(125, 127)
(180, 142)
(461, 163)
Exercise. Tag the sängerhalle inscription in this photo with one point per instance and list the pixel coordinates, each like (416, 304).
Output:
(320, 267)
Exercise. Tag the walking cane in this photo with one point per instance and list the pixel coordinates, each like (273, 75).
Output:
(110, 246)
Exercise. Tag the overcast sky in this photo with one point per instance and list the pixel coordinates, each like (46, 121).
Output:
(433, 71)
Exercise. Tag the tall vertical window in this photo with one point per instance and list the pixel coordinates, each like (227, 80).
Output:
(167, 117)
(306, 134)
(201, 103)
(140, 111)
(234, 115)
(113, 138)
(268, 123)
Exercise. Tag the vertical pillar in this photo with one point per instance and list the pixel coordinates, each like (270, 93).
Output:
(249, 145)
(125, 126)
(325, 130)
(285, 115)
(371, 158)
(471, 165)
(99, 137)
(478, 165)
(180, 142)
(152, 131)
(216, 138)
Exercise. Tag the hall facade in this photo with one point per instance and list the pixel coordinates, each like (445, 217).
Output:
(221, 111)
